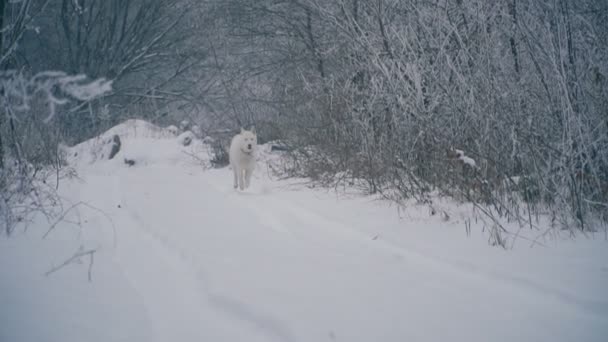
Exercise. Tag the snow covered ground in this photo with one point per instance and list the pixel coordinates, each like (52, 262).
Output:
(181, 256)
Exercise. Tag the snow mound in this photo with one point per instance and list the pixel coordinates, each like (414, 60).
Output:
(136, 128)
(141, 142)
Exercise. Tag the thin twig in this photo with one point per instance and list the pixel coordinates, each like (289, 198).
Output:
(84, 204)
(81, 252)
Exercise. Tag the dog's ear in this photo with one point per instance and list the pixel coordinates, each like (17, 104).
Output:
(242, 130)
(252, 129)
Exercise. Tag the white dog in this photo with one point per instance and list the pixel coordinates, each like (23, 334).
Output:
(242, 157)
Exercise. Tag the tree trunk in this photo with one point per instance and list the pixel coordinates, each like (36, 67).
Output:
(513, 12)
(313, 44)
(2, 6)
(1, 144)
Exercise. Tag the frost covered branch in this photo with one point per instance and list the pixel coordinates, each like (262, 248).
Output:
(54, 88)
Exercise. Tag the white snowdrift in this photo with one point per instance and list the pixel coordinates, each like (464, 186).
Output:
(141, 142)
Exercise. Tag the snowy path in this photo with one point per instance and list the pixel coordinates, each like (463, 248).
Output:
(197, 261)
(216, 264)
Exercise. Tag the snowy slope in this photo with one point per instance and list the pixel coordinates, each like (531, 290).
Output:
(181, 256)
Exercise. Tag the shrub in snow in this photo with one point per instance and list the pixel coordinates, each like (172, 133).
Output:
(173, 129)
(32, 101)
(107, 148)
(219, 154)
(196, 129)
(275, 147)
(461, 157)
(115, 146)
(184, 125)
(466, 177)
(186, 138)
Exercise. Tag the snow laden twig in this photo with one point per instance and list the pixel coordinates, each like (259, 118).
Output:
(81, 251)
(77, 258)
(54, 87)
(75, 206)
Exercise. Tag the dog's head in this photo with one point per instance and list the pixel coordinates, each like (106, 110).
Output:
(249, 140)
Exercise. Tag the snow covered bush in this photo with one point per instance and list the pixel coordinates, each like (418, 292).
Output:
(173, 129)
(29, 145)
(51, 88)
(381, 90)
(186, 138)
(219, 153)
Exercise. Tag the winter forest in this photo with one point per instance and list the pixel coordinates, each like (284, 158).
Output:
(382, 91)
(501, 106)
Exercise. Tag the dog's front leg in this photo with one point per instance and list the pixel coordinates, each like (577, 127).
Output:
(241, 179)
(236, 177)
(248, 173)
